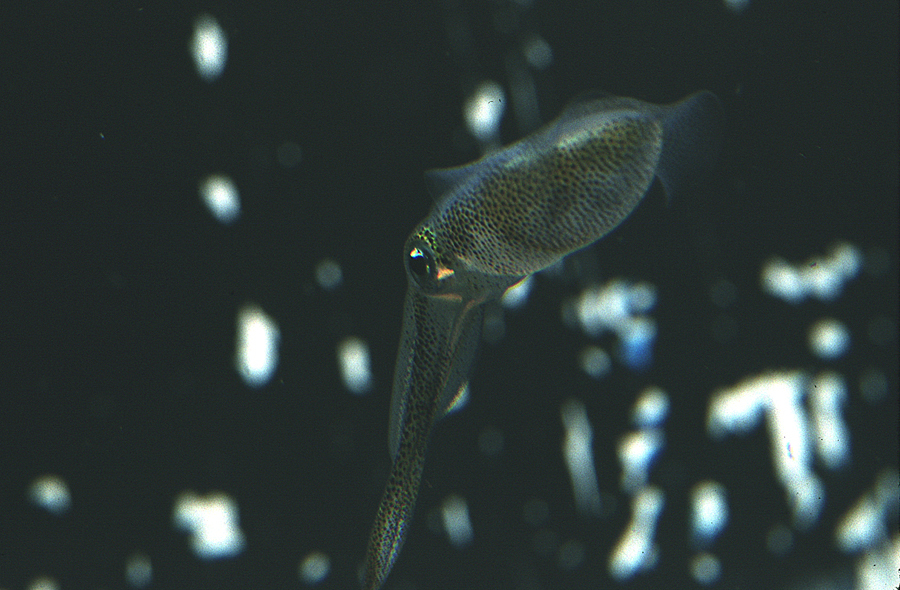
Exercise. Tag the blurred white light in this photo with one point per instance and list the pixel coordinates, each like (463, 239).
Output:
(866, 524)
(595, 362)
(483, 111)
(138, 571)
(651, 408)
(641, 297)
(637, 451)
(706, 568)
(517, 295)
(619, 307)
(737, 6)
(579, 456)
(220, 195)
(603, 307)
(821, 277)
(791, 446)
(637, 338)
(827, 394)
(455, 514)
(740, 408)
(353, 357)
(778, 397)
(878, 567)
(636, 550)
(860, 526)
(709, 511)
(314, 568)
(51, 493)
(209, 47)
(537, 52)
(212, 522)
(43, 583)
(329, 275)
(258, 337)
(829, 339)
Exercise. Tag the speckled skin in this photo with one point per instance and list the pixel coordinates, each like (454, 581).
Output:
(498, 220)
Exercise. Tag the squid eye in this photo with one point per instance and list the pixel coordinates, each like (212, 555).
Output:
(421, 263)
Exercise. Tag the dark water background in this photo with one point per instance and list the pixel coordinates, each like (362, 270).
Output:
(121, 290)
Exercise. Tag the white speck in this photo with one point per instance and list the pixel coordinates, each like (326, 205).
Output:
(878, 567)
(537, 52)
(860, 526)
(778, 397)
(789, 437)
(329, 275)
(827, 394)
(706, 568)
(829, 339)
(737, 6)
(740, 408)
(637, 451)
(209, 47)
(212, 522)
(651, 408)
(636, 550)
(43, 583)
(353, 357)
(314, 568)
(865, 525)
(642, 297)
(483, 111)
(822, 278)
(51, 493)
(455, 513)
(603, 308)
(138, 570)
(595, 362)
(579, 456)
(258, 338)
(221, 197)
(637, 336)
(517, 295)
(619, 307)
(709, 511)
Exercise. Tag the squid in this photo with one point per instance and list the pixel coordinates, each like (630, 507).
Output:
(499, 220)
